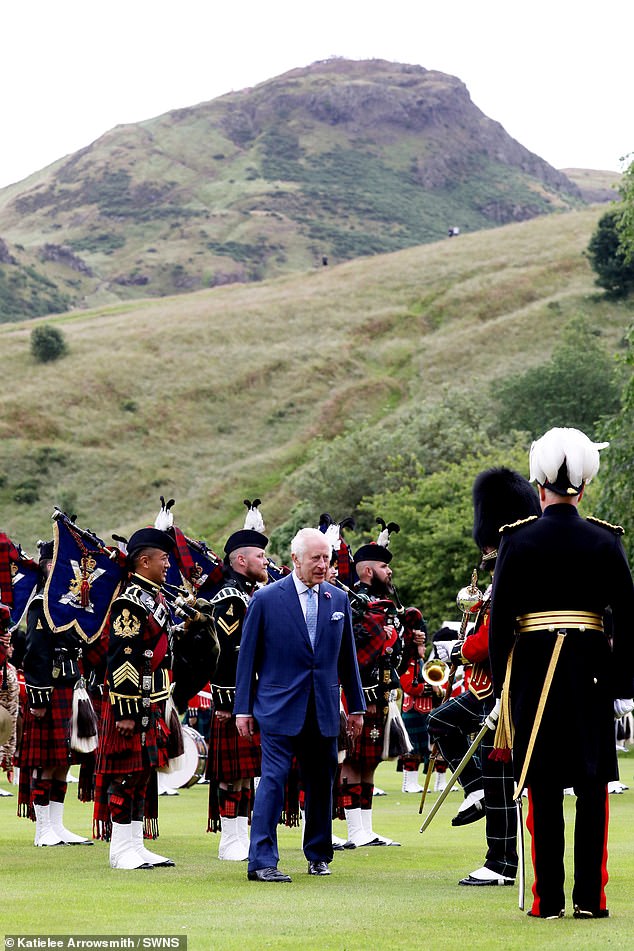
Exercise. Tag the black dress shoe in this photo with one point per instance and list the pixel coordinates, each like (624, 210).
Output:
(558, 914)
(597, 913)
(472, 814)
(268, 874)
(318, 868)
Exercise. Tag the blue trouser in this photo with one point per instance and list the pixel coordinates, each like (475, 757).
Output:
(317, 760)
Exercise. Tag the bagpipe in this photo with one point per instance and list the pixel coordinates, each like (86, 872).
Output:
(194, 568)
(195, 647)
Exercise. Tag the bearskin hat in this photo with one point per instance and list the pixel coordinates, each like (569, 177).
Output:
(500, 496)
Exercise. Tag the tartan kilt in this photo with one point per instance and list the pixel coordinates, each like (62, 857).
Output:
(367, 753)
(416, 726)
(118, 755)
(231, 756)
(46, 742)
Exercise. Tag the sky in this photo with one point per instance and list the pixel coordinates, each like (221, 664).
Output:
(557, 75)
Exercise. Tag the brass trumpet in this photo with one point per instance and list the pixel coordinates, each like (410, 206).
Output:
(435, 672)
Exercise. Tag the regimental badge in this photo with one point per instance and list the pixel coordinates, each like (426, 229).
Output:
(85, 573)
(374, 734)
(230, 611)
(126, 624)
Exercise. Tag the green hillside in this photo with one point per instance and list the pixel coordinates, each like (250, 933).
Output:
(225, 394)
(337, 160)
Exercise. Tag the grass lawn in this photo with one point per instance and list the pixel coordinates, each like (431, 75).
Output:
(376, 898)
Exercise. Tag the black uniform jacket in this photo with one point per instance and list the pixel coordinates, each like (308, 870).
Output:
(562, 562)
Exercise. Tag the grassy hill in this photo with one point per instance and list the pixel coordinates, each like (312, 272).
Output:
(340, 160)
(224, 394)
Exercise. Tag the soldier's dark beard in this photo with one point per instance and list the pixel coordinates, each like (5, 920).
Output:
(381, 589)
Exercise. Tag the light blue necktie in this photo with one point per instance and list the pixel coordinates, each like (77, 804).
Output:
(311, 614)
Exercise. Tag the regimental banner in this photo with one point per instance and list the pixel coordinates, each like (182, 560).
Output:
(85, 579)
(24, 575)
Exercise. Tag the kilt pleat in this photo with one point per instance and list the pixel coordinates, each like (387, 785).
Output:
(46, 741)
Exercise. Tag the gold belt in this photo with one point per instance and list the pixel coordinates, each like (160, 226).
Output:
(556, 620)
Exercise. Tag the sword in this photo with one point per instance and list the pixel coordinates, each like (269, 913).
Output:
(520, 854)
(458, 770)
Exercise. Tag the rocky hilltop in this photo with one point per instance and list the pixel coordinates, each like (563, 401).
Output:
(326, 163)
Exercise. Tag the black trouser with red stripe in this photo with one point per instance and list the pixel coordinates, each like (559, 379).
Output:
(545, 822)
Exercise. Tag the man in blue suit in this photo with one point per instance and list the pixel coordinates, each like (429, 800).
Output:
(297, 648)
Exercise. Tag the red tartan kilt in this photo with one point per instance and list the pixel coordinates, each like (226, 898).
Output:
(367, 753)
(232, 756)
(46, 742)
(118, 755)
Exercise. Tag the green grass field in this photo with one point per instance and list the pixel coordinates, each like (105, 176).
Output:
(376, 898)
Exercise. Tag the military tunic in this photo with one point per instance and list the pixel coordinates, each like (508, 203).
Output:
(548, 571)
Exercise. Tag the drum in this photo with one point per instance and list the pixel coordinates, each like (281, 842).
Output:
(193, 763)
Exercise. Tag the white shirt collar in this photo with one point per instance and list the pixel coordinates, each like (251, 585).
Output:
(300, 587)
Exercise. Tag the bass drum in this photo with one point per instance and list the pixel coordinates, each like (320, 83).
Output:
(192, 767)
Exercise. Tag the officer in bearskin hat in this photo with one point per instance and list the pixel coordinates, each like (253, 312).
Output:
(233, 760)
(562, 673)
(500, 495)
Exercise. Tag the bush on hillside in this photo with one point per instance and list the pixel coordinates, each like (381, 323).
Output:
(625, 223)
(434, 552)
(609, 259)
(47, 343)
(373, 458)
(616, 501)
(577, 386)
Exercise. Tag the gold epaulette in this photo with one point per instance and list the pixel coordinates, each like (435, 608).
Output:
(617, 529)
(521, 521)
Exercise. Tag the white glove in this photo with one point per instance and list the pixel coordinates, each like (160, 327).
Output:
(493, 717)
(622, 708)
(442, 650)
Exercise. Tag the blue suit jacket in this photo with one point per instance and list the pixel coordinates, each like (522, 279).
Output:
(277, 668)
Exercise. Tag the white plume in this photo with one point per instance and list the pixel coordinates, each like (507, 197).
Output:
(164, 519)
(253, 519)
(333, 536)
(560, 445)
(383, 538)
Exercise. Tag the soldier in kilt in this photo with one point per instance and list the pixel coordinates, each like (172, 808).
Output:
(384, 646)
(134, 734)
(51, 669)
(233, 760)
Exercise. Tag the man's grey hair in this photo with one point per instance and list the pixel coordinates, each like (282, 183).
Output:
(302, 539)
